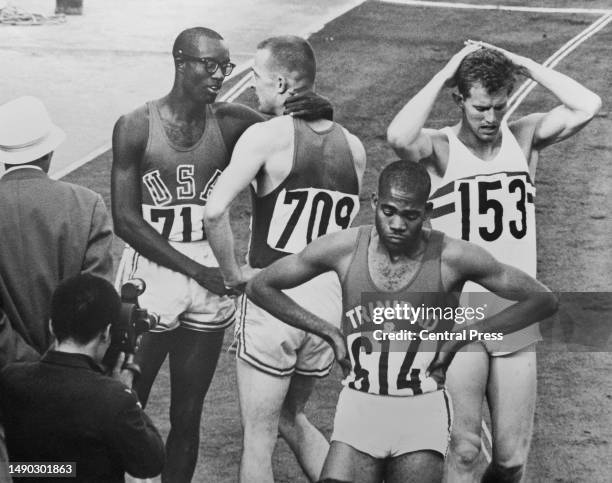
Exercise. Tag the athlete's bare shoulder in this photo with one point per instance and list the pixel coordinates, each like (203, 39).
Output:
(524, 129)
(235, 112)
(271, 135)
(136, 121)
(334, 251)
(233, 120)
(358, 151)
(462, 261)
(130, 135)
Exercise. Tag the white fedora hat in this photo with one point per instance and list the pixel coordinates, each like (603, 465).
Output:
(26, 131)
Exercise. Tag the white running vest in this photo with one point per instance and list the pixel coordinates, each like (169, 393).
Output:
(490, 203)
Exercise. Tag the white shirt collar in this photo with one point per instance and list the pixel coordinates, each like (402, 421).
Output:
(26, 166)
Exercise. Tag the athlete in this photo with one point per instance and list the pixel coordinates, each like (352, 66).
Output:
(305, 179)
(483, 171)
(393, 417)
(167, 155)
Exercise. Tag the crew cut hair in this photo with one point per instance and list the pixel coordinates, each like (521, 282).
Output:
(407, 176)
(488, 67)
(292, 55)
(82, 306)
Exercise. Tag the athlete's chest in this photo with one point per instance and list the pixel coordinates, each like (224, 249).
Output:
(184, 135)
(391, 276)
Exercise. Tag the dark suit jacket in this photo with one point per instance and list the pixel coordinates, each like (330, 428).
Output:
(64, 409)
(49, 231)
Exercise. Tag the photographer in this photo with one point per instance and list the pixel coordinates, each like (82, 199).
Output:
(64, 409)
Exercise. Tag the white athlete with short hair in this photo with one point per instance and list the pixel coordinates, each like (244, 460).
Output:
(305, 178)
(483, 171)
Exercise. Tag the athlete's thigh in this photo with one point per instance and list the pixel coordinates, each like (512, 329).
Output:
(193, 360)
(466, 382)
(261, 396)
(511, 394)
(345, 463)
(416, 467)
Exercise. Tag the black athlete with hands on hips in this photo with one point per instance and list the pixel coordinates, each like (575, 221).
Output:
(397, 257)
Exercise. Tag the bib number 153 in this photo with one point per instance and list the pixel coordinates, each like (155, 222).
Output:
(492, 208)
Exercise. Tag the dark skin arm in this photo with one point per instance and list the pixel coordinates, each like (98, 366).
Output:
(309, 106)
(234, 119)
(129, 140)
(463, 261)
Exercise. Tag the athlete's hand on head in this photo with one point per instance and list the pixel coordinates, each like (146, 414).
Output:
(338, 343)
(450, 69)
(517, 60)
(309, 106)
(211, 279)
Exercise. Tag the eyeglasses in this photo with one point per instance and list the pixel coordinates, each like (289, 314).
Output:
(210, 65)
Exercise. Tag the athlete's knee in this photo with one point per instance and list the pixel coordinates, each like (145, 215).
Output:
(511, 450)
(498, 473)
(465, 449)
(291, 417)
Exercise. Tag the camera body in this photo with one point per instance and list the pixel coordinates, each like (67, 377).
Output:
(132, 323)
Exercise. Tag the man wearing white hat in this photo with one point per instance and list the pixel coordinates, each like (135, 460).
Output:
(51, 230)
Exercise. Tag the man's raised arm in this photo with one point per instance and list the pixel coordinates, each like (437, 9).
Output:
(405, 133)
(129, 140)
(579, 104)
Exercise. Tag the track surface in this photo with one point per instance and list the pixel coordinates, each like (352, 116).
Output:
(371, 60)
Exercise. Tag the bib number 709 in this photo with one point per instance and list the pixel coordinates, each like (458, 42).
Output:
(303, 215)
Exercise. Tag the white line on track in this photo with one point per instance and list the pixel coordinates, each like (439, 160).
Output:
(489, 439)
(229, 96)
(524, 90)
(510, 8)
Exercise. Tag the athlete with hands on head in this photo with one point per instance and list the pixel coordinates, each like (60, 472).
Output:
(483, 172)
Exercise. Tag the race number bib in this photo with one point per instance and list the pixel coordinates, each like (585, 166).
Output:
(182, 223)
(303, 215)
(491, 207)
(387, 368)
(497, 206)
